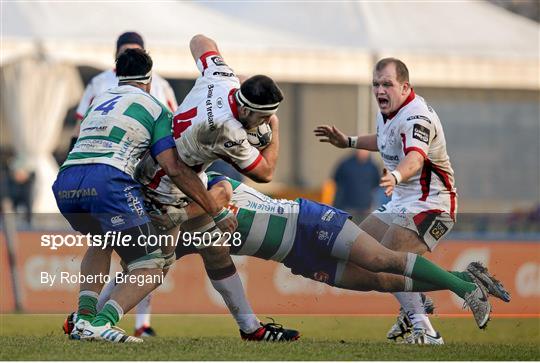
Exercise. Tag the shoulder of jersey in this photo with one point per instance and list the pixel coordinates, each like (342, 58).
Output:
(418, 110)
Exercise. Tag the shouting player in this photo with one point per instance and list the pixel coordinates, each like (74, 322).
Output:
(420, 179)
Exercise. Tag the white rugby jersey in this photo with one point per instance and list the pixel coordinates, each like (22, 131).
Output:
(205, 128)
(416, 126)
(106, 80)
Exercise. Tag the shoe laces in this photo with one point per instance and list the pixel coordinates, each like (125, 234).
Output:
(470, 301)
(273, 325)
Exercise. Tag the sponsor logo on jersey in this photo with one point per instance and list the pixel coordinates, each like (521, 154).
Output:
(223, 74)
(117, 220)
(209, 112)
(421, 133)
(389, 157)
(328, 215)
(95, 128)
(261, 207)
(324, 235)
(77, 193)
(218, 61)
(438, 230)
(134, 203)
(392, 137)
(232, 143)
(219, 102)
(418, 117)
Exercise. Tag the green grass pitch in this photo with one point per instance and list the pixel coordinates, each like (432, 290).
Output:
(39, 337)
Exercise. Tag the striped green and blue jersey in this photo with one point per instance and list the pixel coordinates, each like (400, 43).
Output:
(120, 126)
(267, 226)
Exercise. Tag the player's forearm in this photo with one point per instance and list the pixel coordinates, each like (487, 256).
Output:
(221, 194)
(189, 183)
(186, 180)
(367, 142)
(410, 166)
(201, 44)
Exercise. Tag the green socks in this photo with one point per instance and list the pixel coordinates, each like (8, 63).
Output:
(462, 275)
(87, 305)
(419, 268)
(111, 313)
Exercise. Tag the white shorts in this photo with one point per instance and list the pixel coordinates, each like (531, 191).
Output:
(431, 224)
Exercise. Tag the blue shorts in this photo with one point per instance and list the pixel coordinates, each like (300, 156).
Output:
(98, 197)
(318, 226)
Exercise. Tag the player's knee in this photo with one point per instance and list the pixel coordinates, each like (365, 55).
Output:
(216, 257)
(375, 263)
(153, 261)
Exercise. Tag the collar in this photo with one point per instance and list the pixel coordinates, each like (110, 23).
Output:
(232, 103)
(408, 100)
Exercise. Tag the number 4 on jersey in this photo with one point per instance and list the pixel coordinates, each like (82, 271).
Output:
(107, 106)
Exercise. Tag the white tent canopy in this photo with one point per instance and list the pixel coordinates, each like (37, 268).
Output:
(448, 44)
(461, 43)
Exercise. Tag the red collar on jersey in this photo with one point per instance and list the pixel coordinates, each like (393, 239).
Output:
(232, 103)
(408, 100)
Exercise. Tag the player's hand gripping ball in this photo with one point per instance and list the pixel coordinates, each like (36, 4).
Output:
(260, 136)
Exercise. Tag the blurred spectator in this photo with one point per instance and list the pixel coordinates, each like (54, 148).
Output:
(356, 179)
(222, 167)
(21, 180)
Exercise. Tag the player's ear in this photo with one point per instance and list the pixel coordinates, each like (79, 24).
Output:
(406, 87)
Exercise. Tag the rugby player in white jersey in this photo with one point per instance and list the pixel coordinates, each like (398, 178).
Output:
(420, 180)
(211, 124)
(107, 79)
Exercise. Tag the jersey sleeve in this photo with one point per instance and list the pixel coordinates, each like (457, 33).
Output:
(232, 145)
(211, 64)
(417, 132)
(86, 101)
(161, 138)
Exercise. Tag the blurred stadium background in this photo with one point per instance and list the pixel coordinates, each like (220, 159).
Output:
(476, 62)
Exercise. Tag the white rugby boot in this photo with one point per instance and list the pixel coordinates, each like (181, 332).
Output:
(480, 274)
(477, 301)
(421, 337)
(107, 333)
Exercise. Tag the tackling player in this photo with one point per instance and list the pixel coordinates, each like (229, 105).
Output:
(96, 192)
(322, 243)
(411, 141)
(163, 92)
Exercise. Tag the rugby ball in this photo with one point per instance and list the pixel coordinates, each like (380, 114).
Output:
(260, 136)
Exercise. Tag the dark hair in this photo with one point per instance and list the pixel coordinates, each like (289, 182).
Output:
(261, 90)
(129, 38)
(402, 73)
(133, 62)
